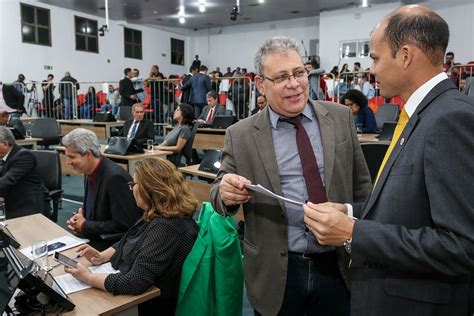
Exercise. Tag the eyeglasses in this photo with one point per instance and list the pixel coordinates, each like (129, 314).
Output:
(283, 78)
(131, 184)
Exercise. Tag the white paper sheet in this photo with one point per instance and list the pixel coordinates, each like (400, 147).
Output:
(69, 241)
(260, 189)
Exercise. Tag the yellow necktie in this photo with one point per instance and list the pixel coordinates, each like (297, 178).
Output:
(402, 122)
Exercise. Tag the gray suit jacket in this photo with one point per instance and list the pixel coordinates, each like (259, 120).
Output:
(413, 249)
(249, 152)
(219, 110)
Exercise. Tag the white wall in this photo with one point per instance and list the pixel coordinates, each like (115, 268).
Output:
(348, 24)
(236, 45)
(29, 59)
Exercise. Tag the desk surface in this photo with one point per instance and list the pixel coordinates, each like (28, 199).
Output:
(370, 138)
(90, 122)
(28, 141)
(193, 170)
(146, 154)
(202, 130)
(36, 227)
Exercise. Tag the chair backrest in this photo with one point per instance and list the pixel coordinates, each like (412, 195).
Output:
(374, 154)
(49, 167)
(188, 147)
(387, 113)
(47, 129)
(124, 113)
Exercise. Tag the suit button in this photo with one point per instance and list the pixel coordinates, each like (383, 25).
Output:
(283, 253)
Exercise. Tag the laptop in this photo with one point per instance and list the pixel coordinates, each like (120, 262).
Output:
(222, 121)
(211, 161)
(388, 129)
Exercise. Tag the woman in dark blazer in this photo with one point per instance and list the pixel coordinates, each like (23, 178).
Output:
(362, 113)
(152, 252)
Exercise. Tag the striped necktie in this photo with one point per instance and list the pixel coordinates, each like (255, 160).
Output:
(134, 129)
(402, 122)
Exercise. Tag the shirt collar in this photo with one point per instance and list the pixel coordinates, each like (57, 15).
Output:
(6, 156)
(274, 117)
(415, 99)
(93, 176)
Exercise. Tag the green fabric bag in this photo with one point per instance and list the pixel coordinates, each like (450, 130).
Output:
(212, 276)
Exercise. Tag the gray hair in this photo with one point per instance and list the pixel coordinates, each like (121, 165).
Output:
(279, 44)
(211, 94)
(82, 140)
(6, 136)
(137, 105)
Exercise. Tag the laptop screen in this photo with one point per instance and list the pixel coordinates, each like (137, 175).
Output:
(222, 121)
(211, 161)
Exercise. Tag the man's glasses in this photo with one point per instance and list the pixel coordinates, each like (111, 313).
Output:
(287, 77)
(131, 184)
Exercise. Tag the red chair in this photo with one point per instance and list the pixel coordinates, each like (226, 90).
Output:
(101, 100)
(376, 102)
(398, 101)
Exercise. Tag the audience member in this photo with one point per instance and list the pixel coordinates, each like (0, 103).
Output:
(362, 113)
(12, 122)
(357, 66)
(196, 62)
(263, 149)
(365, 86)
(48, 96)
(185, 94)
(139, 128)
(239, 94)
(126, 89)
(199, 84)
(89, 105)
(228, 72)
(108, 206)
(138, 85)
(412, 243)
(180, 134)
(152, 252)
(68, 91)
(156, 91)
(261, 103)
(308, 66)
(113, 101)
(345, 68)
(20, 182)
(212, 109)
(14, 100)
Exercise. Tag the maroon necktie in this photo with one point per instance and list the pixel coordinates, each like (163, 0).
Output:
(311, 175)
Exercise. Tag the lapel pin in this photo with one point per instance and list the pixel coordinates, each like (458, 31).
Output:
(402, 141)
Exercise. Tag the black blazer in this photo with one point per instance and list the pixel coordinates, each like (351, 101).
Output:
(13, 98)
(413, 245)
(21, 185)
(146, 130)
(114, 209)
(126, 89)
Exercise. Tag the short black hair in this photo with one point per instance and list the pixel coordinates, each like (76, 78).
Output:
(212, 94)
(450, 54)
(203, 68)
(126, 71)
(357, 97)
(193, 68)
(187, 111)
(429, 32)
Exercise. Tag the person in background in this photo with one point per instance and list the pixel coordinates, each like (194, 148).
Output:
(138, 85)
(366, 87)
(113, 99)
(126, 89)
(89, 106)
(362, 113)
(176, 139)
(261, 104)
(12, 122)
(199, 85)
(139, 128)
(196, 62)
(212, 109)
(152, 251)
(20, 181)
(185, 94)
(68, 90)
(108, 206)
(48, 96)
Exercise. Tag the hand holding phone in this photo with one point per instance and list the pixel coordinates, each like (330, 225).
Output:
(65, 260)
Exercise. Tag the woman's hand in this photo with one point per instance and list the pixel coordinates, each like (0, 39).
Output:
(81, 273)
(92, 255)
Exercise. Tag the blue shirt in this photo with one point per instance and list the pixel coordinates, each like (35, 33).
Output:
(291, 175)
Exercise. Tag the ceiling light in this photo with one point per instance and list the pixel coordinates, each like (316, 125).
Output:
(182, 20)
(202, 2)
(261, 1)
(202, 8)
(365, 3)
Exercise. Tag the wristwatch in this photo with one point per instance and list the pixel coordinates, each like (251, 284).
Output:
(348, 245)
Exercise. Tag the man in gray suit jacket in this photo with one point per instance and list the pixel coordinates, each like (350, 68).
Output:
(213, 105)
(413, 245)
(287, 272)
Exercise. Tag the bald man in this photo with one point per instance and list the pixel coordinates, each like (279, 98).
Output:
(412, 247)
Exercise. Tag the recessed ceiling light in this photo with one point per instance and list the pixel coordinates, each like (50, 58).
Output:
(155, 12)
(261, 1)
(182, 20)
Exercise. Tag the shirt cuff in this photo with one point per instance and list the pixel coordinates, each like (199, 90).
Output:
(350, 211)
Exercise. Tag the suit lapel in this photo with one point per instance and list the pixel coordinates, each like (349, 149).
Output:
(404, 138)
(266, 151)
(97, 184)
(328, 139)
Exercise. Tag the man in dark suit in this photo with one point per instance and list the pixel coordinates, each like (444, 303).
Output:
(200, 84)
(413, 245)
(126, 89)
(140, 129)
(13, 98)
(287, 272)
(8, 121)
(20, 182)
(68, 90)
(185, 95)
(212, 109)
(109, 206)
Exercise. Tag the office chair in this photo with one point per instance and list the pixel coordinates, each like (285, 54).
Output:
(48, 130)
(188, 148)
(386, 113)
(49, 167)
(124, 113)
(374, 154)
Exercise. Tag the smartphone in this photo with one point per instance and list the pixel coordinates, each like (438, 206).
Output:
(65, 260)
(55, 246)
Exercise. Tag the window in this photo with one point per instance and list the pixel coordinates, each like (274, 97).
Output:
(35, 25)
(177, 52)
(86, 35)
(133, 43)
(360, 48)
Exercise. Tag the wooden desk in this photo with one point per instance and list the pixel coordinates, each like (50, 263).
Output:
(29, 229)
(101, 129)
(206, 138)
(127, 162)
(202, 189)
(29, 142)
(370, 138)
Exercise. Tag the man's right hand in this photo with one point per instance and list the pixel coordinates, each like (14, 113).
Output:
(232, 190)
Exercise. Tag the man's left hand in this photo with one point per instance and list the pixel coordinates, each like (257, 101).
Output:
(75, 222)
(328, 224)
